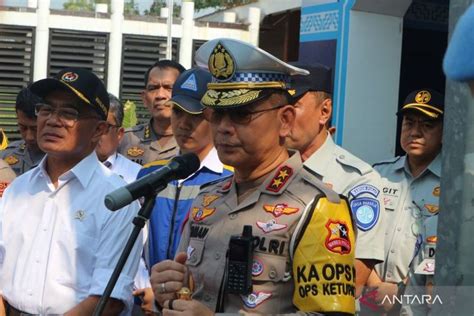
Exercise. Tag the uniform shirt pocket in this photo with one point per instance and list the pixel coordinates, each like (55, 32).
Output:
(195, 252)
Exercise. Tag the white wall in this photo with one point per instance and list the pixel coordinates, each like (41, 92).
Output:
(371, 95)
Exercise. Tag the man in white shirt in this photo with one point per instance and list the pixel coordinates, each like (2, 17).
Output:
(109, 142)
(58, 242)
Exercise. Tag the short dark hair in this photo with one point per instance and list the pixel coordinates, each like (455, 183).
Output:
(116, 108)
(162, 64)
(26, 102)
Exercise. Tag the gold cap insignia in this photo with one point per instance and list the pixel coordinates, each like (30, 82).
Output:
(11, 160)
(69, 76)
(135, 152)
(423, 97)
(221, 64)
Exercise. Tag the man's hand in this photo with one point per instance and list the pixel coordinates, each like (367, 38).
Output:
(186, 308)
(147, 298)
(386, 289)
(167, 277)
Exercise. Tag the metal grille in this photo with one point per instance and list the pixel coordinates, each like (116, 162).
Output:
(139, 53)
(87, 50)
(16, 71)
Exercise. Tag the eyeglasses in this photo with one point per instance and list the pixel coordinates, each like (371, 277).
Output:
(237, 116)
(111, 126)
(67, 115)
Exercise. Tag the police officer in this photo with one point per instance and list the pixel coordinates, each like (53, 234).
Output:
(303, 236)
(335, 166)
(411, 190)
(154, 140)
(24, 154)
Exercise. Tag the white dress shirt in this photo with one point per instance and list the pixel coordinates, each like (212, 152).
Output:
(124, 167)
(60, 245)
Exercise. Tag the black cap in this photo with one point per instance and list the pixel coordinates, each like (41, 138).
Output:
(83, 83)
(189, 89)
(427, 101)
(319, 79)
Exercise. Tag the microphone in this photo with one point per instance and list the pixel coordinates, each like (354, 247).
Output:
(180, 167)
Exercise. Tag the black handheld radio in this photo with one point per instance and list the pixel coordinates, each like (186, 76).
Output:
(239, 265)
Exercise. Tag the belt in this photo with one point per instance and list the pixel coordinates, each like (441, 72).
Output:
(12, 311)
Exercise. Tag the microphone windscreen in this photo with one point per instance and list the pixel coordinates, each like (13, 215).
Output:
(188, 164)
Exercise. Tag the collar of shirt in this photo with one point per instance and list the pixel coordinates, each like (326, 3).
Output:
(112, 159)
(434, 167)
(319, 160)
(212, 162)
(83, 171)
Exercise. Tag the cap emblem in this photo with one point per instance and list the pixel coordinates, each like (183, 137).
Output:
(190, 83)
(423, 97)
(221, 64)
(69, 76)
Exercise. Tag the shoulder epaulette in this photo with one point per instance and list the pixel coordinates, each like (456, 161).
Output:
(348, 159)
(229, 168)
(387, 162)
(135, 128)
(156, 163)
(216, 182)
(308, 176)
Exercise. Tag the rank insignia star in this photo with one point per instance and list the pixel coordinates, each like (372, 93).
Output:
(135, 151)
(281, 178)
(208, 199)
(436, 191)
(199, 214)
(11, 160)
(280, 209)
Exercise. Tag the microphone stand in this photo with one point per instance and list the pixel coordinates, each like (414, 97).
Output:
(139, 221)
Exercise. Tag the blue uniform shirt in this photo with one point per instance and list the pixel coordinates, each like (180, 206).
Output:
(172, 205)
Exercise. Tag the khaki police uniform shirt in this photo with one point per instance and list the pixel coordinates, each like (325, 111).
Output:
(348, 175)
(140, 144)
(19, 158)
(273, 210)
(409, 202)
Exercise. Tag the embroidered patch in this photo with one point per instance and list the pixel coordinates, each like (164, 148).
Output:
(257, 267)
(226, 186)
(364, 188)
(256, 298)
(11, 160)
(429, 267)
(366, 212)
(190, 83)
(135, 151)
(281, 177)
(366, 209)
(270, 226)
(208, 199)
(436, 191)
(280, 209)
(69, 76)
(199, 214)
(432, 208)
(3, 186)
(337, 240)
